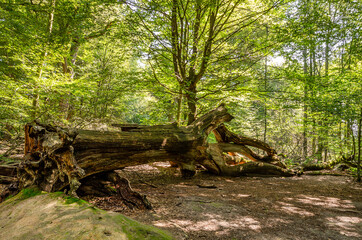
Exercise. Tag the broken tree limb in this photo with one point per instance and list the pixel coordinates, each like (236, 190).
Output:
(240, 143)
(218, 165)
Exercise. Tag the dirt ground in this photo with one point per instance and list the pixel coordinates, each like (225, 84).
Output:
(213, 207)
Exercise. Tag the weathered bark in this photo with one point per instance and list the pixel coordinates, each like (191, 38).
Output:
(8, 170)
(8, 173)
(99, 185)
(239, 144)
(218, 165)
(57, 158)
(343, 162)
(49, 160)
(317, 166)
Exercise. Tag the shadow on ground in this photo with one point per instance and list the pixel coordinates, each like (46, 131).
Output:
(213, 207)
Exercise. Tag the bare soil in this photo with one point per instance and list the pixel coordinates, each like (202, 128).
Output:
(214, 207)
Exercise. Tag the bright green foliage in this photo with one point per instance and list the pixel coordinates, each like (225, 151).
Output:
(82, 63)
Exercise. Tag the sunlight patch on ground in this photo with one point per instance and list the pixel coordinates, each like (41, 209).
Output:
(348, 226)
(285, 192)
(213, 223)
(291, 209)
(327, 202)
(241, 195)
(229, 181)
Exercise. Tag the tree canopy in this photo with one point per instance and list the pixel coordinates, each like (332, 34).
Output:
(289, 71)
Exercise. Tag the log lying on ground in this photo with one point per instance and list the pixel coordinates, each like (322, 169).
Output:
(56, 158)
(8, 170)
(8, 173)
(342, 163)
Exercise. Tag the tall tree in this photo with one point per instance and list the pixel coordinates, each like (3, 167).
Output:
(198, 38)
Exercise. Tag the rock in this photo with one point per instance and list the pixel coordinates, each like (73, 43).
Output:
(38, 215)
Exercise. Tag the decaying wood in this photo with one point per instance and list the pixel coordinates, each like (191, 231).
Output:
(240, 143)
(8, 173)
(57, 158)
(219, 165)
(10, 190)
(6, 180)
(9, 170)
(109, 183)
(340, 163)
(49, 160)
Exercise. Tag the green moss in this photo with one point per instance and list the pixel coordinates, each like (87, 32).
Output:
(216, 204)
(29, 192)
(71, 200)
(136, 230)
(56, 194)
(24, 194)
(68, 199)
(33, 236)
(102, 222)
(8, 197)
(96, 210)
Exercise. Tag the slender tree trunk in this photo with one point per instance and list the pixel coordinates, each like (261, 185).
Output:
(320, 147)
(353, 143)
(347, 129)
(325, 138)
(314, 139)
(359, 148)
(340, 137)
(265, 89)
(305, 106)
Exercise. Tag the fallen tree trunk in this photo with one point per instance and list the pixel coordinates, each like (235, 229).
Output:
(56, 158)
(342, 163)
(8, 173)
(8, 170)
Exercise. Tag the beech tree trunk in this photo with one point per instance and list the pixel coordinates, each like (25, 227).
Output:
(56, 158)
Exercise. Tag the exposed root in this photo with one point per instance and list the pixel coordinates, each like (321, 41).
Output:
(110, 183)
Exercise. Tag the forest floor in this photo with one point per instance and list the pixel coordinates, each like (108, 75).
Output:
(214, 207)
